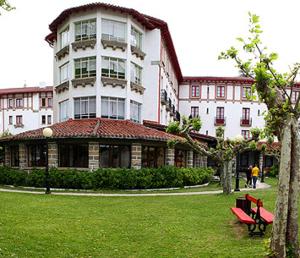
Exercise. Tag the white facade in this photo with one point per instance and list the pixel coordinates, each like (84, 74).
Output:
(127, 99)
(205, 96)
(24, 109)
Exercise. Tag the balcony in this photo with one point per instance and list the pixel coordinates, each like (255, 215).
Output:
(63, 52)
(113, 42)
(169, 105)
(62, 87)
(245, 122)
(83, 81)
(219, 121)
(177, 116)
(84, 44)
(163, 97)
(137, 87)
(114, 82)
(137, 52)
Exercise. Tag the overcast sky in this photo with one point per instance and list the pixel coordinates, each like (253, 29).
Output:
(200, 30)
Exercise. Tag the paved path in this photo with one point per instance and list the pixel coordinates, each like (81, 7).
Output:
(259, 185)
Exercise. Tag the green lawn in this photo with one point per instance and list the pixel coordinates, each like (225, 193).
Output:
(171, 226)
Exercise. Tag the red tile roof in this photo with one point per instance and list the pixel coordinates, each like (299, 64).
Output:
(99, 128)
(149, 22)
(25, 90)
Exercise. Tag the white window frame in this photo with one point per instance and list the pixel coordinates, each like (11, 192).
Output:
(88, 63)
(136, 39)
(64, 73)
(135, 111)
(109, 101)
(80, 27)
(113, 62)
(88, 101)
(136, 73)
(63, 116)
(112, 27)
(64, 38)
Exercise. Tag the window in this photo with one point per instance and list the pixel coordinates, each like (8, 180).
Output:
(136, 38)
(258, 112)
(207, 110)
(246, 134)
(43, 120)
(50, 102)
(246, 113)
(220, 112)
(113, 30)
(135, 111)
(43, 102)
(85, 30)
(10, 103)
(84, 107)
(49, 119)
(180, 158)
(64, 73)
(295, 95)
(153, 157)
(220, 91)
(14, 155)
(195, 111)
(113, 67)
(85, 67)
(115, 156)
(10, 120)
(36, 155)
(206, 132)
(73, 155)
(136, 74)
(19, 103)
(64, 110)
(112, 108)
(64, 38)
(19, 120)
(246, 92)
(195, 91)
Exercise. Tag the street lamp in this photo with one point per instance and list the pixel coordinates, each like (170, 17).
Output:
(239, 138)
(47, 133)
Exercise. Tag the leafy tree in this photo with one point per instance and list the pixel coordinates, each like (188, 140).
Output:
(224, 152)
(275, 89)
(5, 5)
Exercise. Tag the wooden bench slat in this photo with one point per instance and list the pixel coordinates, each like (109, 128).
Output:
(242, 216)
(267, 216)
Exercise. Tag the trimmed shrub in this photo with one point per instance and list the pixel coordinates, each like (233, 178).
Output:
(108, 178)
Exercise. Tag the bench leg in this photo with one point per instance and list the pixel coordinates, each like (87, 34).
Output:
(262, 228)
(251, 229)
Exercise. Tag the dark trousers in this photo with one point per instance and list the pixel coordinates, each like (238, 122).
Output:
(254, 179)
(249, 180)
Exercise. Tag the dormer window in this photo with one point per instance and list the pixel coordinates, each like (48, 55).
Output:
(85, 30)
(136, 38)
(113, 30)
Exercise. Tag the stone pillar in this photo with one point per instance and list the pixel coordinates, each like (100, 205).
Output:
(22, 156)
(190, 159)
(261, 162)
(136, 155)
(170, 157)
(7, 157)
(93, 155)
(52, 155)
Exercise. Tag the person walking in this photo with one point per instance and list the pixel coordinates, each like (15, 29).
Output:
(249, 177)
(255, 173)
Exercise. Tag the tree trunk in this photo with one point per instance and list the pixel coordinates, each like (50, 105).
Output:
(227, 177)
(285, 227)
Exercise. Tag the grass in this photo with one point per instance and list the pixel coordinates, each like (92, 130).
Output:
(170, 226)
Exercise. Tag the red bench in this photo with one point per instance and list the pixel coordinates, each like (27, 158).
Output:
(257, 217)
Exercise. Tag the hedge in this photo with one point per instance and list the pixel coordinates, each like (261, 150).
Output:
(108, 178)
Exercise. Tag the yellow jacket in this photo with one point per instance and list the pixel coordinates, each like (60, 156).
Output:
(255, 171)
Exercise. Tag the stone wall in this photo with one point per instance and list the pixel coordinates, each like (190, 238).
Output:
(136, 155)
(52, 154)
(22, 156)
(93, 155)
(7, 156)
(170, 157)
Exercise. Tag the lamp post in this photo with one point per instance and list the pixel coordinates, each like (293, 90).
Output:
(47, 133)
(238, 138)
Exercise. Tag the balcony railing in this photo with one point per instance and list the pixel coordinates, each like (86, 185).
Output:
(220, 121)
(246, 121)
(163, 97)
(169, 105)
